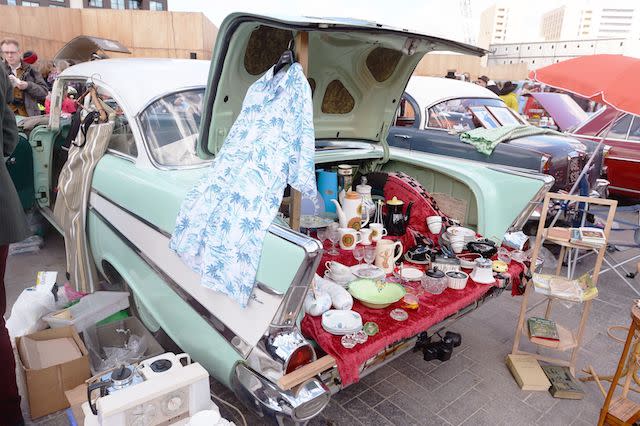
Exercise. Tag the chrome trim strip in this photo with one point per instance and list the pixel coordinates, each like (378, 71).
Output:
(294, 297)
(622, 159)
(624, 189)
(236, 342)
(129, 212)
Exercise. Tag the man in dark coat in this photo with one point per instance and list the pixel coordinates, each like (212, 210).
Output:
(13, 227)
(29, 88)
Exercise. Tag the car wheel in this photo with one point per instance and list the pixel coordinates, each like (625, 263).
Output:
(115, 282)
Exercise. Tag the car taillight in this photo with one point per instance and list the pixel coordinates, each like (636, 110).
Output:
(299, 358)
(605, 151)
(545, 164)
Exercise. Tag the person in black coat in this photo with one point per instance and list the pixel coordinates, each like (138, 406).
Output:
(13, 228)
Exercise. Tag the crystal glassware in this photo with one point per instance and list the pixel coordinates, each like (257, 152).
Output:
(334, 237)
(322, 235)
(358, 253)
(369, 254)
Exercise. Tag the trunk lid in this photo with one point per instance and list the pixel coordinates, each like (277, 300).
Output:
(357, 71)
(565, 111)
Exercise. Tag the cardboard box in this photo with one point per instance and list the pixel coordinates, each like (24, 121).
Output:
(48, 372)
(76, 397)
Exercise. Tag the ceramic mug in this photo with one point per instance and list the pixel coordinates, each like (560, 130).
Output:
(386, 254)
(366, 235)
(434, 223)
(377, 231)
(349, 238)
(336, 268)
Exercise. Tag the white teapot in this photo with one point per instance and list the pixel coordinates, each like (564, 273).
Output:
(350, 212)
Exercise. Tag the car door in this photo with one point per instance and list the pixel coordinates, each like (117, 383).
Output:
(623, 158)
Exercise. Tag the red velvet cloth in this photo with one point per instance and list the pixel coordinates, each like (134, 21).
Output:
(433, 309)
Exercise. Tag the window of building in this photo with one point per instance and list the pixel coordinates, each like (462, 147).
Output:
(117, 4)
(30, 4)
(134, 4)
(95, 3)
(155, 5)
(11, 2)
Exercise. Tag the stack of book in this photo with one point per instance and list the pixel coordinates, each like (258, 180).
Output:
(585, 235)
(530, 376)
(588, 236)
(577, 290)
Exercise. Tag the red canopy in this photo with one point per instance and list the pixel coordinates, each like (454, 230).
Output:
(609, 79)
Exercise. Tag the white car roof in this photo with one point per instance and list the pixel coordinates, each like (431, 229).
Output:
(428, 91)
(138, 81)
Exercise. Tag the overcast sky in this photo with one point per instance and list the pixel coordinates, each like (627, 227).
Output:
(438, 17)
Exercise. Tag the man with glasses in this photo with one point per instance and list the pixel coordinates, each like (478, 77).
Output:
(29, 87)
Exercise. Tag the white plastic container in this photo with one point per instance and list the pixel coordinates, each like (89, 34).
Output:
(91, 309)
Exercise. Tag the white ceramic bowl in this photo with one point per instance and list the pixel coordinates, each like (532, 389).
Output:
(457, 280)
(341, 322)
(457, 246)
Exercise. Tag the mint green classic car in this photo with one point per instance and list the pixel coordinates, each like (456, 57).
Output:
(170, 120)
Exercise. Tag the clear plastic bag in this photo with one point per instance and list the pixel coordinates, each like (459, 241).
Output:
(132, 351)
(33, 303)
(33, 244)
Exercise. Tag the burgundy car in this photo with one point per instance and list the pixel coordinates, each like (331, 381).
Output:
(622, 151)
(622, 157)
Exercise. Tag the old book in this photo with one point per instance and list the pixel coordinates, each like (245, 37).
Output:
(542, 328)
(563, 384)
(527, 372)
(560, 234)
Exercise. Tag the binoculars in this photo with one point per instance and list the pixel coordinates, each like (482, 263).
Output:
(441, 350)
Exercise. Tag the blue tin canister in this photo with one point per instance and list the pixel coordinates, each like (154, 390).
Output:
(328, 188)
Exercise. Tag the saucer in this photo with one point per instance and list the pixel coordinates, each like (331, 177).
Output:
(343, 281)
(367, 271)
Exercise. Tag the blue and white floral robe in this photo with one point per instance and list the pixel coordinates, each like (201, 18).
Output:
(224, 218)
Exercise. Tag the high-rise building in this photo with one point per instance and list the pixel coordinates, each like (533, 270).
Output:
(92, 4)
(493, 25)
(585, 19)
(551, 25)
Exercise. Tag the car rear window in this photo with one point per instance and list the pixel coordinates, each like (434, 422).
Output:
(170, 126)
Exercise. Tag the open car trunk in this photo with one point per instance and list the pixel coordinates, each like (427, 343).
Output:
(357, 72)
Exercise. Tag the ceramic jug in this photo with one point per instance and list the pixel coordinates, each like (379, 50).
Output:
(368, 206)
(350, 212)
(386, 256)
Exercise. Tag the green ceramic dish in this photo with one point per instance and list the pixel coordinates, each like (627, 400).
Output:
(373, 295)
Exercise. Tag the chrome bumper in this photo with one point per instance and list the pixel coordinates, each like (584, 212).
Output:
(295, 406)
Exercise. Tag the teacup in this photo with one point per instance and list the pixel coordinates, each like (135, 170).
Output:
(434, 223)
(349, 238)
(366, 235)
(386, 256)
(337, 268)
(377, 231)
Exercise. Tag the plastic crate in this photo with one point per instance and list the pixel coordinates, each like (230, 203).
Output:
(116, 335)
(91, 309)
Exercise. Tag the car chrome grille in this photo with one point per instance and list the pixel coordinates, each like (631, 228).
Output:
(573, 168)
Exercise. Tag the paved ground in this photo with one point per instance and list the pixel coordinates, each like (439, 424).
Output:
(473, 388)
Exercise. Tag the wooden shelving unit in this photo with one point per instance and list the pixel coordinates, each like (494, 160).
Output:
(569, 339)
